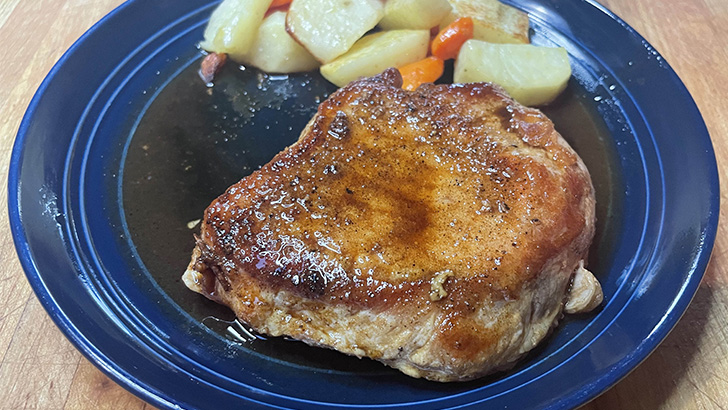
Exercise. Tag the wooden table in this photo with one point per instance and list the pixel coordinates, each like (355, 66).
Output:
(40, 369)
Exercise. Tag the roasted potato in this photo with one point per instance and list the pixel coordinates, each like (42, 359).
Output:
(530, 74)
(414, 14)
(376, 52)
(328, 28)
(233, 26)
(493, 21)
(274, 50)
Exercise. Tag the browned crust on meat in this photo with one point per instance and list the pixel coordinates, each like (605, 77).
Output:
(384, 191)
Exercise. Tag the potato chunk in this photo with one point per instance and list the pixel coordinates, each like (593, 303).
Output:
(414, 14)
(376, 52)
(233, 27)
(532, 75)
(274, 50)
(328, 28)
(493, 21)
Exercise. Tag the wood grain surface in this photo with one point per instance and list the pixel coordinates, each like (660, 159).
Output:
(40, 369)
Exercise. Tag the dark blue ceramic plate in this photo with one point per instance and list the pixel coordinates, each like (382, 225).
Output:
(122, 146)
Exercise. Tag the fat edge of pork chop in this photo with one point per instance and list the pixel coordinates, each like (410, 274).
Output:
(436, 231)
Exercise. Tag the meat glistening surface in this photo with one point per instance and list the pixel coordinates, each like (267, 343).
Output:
(437, 230)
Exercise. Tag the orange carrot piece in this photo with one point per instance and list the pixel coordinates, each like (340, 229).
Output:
(279, 3)
(447, 43)
(424, 71)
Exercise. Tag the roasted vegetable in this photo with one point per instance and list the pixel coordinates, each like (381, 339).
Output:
(376, 52)
(427, 70)
(233, 27)
(328, 28)
(532, 75)
(448, 41)
(274, 50)
(414, 14)
(493, 21)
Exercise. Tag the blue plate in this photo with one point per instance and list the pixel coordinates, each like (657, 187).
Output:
(98, 251)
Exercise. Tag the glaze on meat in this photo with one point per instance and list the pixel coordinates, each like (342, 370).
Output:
(436, 231)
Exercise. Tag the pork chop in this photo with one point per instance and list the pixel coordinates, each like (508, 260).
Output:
(436, 231)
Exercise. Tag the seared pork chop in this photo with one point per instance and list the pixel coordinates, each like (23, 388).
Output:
(436, 231)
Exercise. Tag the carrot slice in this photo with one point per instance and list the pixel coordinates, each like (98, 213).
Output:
(279, 3)
(424, 71)
(447, 43)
